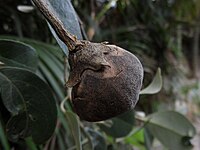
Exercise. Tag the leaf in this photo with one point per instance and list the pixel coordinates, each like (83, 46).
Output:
(50, 64)
(3, 139)
(172, 129)
(98, 140)
(65, 12)
(155, 86)
(75, 128)
(124, 121)
(136, 139)
(62, 45)
(30, 144)
(18, 127)
(66, 131)
(30, 102)
(18, 54)
(148, 139)
(59, 90)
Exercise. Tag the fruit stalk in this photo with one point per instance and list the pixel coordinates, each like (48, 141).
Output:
(69, 39)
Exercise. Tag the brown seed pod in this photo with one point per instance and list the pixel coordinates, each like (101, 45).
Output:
(106, 80)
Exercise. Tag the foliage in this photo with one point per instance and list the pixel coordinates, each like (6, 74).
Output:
(25, 96)
(173, 137)
(28, 67)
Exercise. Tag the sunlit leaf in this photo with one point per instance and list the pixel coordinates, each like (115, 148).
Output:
(30, 102)
(18, 54)
(136, 139)
(172, 129)
(155, 86)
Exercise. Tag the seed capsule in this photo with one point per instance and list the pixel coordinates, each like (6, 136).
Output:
(106, 80)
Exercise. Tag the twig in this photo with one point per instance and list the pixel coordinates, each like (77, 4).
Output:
(65, 72)
(62, 105)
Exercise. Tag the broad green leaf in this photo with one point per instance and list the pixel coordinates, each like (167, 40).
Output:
(75, 128)
(172, 129)
(30, 102)
(50, 66)
(37, 45)
(155, 86)
(124, 121)
(18, 127)
(65, 12)
(18, 54)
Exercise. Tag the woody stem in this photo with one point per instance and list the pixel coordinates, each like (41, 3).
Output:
(69, 39)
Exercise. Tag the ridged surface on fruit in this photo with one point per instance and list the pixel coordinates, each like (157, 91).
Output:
(109, 87)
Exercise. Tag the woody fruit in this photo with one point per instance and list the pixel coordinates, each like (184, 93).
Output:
(105, 80)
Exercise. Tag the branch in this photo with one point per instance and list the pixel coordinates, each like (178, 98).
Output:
(70, 40)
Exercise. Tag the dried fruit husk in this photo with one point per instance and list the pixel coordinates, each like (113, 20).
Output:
(106, 80)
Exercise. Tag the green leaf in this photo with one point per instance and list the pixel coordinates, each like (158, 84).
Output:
(3, 138)
(65, 12)
(69, 18)
(63, 133)
(50, 65)
(148, 139)
(30, 144)
(30, 102)
(172, 129)
(98, 141)
(18, 54)
(155, 86)
(75, 128)
(124, 121)
(136, 139)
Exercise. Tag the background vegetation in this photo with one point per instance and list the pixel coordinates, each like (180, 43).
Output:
(161, 34)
